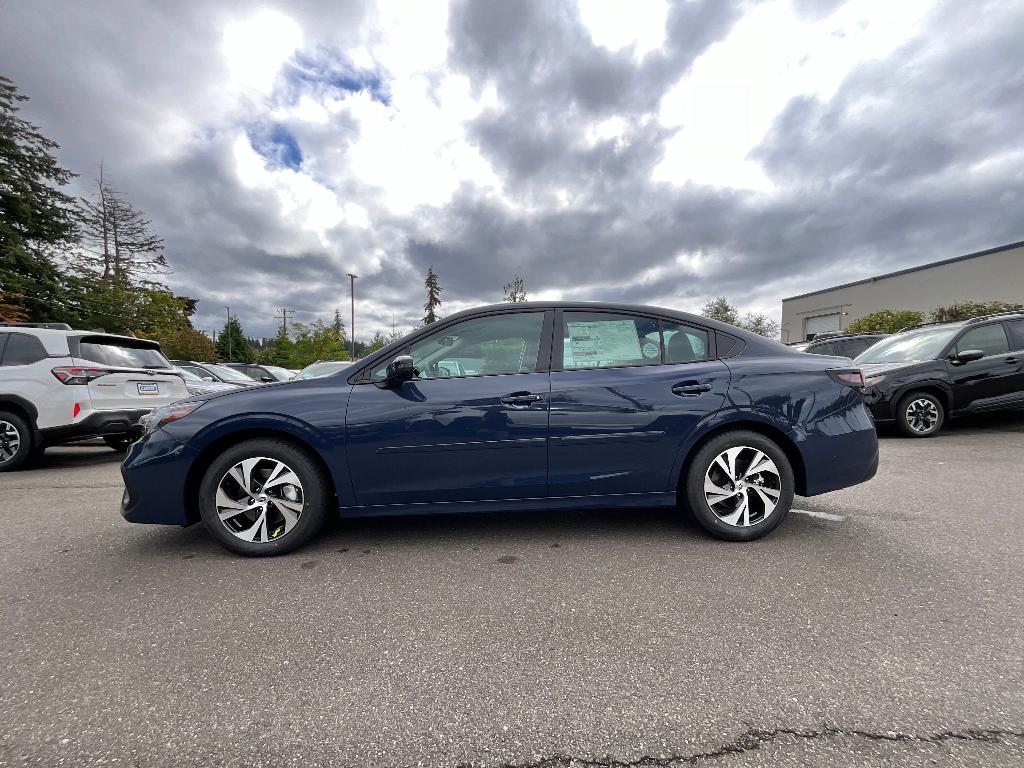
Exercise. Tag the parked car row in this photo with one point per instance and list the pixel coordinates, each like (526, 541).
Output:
(60, 385)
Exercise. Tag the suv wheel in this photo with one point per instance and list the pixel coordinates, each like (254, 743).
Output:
(920, 414)
(15, 441)
(739, 486)
(264, 497)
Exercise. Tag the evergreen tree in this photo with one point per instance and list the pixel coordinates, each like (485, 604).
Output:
(232, 346)
(36, 218)
(280, 351)
(515, 291)
(433, 296)
(339, 325)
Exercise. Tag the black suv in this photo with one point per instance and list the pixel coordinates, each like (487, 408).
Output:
(842, 345)
(922, 375)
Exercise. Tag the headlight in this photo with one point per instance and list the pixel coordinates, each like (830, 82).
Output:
(165, 414)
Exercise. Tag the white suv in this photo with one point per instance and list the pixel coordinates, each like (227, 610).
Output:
(58, 385)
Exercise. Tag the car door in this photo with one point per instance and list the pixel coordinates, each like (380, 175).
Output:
(1015, 334)
(992, 379)
(626, 391)
(472, 426)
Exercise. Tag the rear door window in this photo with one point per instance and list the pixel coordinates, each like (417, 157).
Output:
(990, 339)
(684, 344)
(22, 349)
(609, 340)
(1016, 329)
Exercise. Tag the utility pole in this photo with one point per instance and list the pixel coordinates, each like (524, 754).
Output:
(352, 327)
(227, 330)
(283, 317)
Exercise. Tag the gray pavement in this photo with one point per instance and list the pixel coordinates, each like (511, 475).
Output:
(889, 631)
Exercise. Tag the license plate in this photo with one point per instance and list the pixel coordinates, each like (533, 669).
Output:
(149, 389)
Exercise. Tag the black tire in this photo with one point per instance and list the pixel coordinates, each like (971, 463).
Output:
(14, 431)
(317, 497)
(120, 443)
(696, 501)
(920, 414)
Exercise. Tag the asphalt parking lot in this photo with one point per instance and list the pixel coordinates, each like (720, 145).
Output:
(887, 628)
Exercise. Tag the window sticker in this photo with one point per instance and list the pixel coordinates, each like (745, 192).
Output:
(650, 350)
(604, 342)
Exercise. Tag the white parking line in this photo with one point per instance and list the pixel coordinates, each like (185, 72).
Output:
(822, 515)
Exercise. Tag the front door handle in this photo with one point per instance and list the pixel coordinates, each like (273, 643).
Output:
(1012, 360)
(689, 388)
(521, 399)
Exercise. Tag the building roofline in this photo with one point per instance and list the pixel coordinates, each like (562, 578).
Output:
(997, 249)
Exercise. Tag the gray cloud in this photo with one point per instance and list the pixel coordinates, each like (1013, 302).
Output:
(916, 157)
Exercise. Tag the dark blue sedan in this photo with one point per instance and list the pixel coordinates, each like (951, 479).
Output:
(512, 407)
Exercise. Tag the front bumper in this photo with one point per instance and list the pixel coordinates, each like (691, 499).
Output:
(95, 424)
(155, 474)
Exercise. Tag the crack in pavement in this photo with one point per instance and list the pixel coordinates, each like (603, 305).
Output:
(752, 740)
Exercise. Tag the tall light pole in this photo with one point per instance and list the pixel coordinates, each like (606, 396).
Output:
(352, 327)
(227, 330)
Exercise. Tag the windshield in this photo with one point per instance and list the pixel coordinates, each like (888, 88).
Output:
(325, 368)
(187, 375)
(801, 346)
(229, 374)
(280, 374)
(909, 347)
(121, 355)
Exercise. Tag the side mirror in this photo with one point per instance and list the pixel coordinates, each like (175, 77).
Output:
(267, 379)
(208, 378)
(969, 355)
(400, 370)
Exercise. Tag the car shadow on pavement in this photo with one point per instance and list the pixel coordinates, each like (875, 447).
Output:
(975, 424)
(75, 456)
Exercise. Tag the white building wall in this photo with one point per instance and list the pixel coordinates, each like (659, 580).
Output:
(984, 277)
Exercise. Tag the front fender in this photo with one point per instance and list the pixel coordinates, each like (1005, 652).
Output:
(328, 442)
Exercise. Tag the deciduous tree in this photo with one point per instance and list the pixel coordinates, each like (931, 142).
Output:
(515, 290)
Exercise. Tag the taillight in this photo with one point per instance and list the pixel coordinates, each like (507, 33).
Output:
(851, 378)
(74, 375)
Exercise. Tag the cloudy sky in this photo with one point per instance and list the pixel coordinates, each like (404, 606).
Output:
(641, 150)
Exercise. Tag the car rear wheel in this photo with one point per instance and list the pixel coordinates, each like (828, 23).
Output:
(920, 414)
(15, 441)
(739, 486)
(264, 497)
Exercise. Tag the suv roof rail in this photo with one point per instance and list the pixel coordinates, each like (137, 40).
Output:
(1005, 313)
(968, 321)
(51, 326)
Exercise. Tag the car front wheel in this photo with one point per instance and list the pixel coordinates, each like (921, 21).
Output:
(264, 497)
(920, 414)
(739, 486)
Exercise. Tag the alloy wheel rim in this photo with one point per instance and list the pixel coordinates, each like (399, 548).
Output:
(259, 500)
(922, 415)
(742, 486)
(10, 441)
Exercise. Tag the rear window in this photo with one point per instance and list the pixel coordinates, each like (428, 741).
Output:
(121, 355)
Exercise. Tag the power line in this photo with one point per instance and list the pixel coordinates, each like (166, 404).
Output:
(283, 317)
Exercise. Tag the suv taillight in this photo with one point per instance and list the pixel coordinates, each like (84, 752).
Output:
(853, 377)
(73, 375)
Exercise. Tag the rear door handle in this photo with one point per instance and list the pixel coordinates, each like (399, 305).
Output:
(689, 388)
(521, 399)
(1012, 360)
